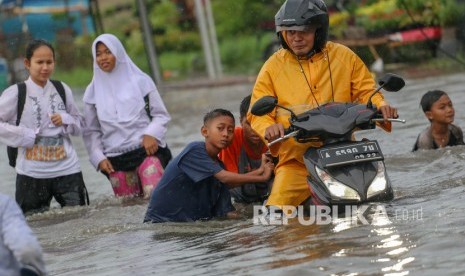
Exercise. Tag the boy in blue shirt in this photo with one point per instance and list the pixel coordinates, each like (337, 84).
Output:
(195, 185)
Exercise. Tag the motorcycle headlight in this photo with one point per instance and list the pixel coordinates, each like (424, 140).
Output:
(379, 184)
(336, 188)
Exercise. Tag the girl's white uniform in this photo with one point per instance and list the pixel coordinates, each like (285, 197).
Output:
(114, 107)
(35, 122)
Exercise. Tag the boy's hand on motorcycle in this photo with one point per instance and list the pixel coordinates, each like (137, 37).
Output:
(388, 112)
(274, 132)
(266, 158)
(269, 167)
(261, 169)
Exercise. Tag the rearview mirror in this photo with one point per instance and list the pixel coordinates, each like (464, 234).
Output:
(391, 82)
(264, 105)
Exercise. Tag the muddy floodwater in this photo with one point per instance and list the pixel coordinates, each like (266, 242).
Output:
(422, 233)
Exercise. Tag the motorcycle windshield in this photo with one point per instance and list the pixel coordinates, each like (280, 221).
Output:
(297, 109)
(335, 119)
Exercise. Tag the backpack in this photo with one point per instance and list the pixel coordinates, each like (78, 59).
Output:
(12, 151)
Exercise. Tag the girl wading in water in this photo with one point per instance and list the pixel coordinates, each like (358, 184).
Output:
(47, 165)
(125, 121)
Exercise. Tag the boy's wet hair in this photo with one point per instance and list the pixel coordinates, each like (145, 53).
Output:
(429, 98)
(244, 108)
(36, 43)
(215, 113)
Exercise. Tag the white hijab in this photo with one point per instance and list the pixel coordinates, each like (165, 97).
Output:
(119, 94)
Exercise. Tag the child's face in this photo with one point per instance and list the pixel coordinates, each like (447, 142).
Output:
(219, 132)
(250, 135)
(442, 111)
(41, 65)
(104, 58)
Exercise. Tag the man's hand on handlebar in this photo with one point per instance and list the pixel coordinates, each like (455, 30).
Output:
(274, 132)
(388, 112)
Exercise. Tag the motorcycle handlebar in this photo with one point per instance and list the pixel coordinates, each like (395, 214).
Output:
(389, 119)
(285, 137)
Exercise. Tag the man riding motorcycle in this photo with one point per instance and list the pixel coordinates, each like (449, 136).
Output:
(307, 72)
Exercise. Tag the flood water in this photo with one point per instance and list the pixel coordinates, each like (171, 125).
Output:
(422, 234)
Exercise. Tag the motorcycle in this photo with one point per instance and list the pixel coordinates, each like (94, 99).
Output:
(342, 171)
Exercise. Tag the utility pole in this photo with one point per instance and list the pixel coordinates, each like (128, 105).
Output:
(148, 41)
(207, 50)
(213, 39)
(24, 26)
(96, 16)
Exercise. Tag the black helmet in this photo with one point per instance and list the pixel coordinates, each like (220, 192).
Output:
(298, 14)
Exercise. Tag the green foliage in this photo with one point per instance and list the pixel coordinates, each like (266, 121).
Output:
(79, 77)
(176, 40)
(133, 44)
(175, 65)
(245, 57)
(380, 17)
(164, 15)
(434, 12)
(165, 18)
(240, 31)
(338, 22)
(83, 51)
(451, 13)
(424, 12)
(244, 29)
(243, 17)
(391, 15)
(241, 58)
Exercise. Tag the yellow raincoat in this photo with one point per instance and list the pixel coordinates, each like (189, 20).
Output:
(282, 77)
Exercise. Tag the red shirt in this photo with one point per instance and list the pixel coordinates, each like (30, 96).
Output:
(230, 155)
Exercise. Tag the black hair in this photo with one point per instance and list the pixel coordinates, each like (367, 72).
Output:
(215, 113)
(36, 43)
(244, 108)
(429, 98)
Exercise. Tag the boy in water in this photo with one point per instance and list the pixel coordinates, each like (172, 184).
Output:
(439, 110)
(244, 155)
(195, 184)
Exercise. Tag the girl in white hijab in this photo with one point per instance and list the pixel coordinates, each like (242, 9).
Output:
(125, 138)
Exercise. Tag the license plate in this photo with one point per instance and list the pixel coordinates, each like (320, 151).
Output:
(351, 153)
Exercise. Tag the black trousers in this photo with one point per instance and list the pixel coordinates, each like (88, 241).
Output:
(35, 194)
